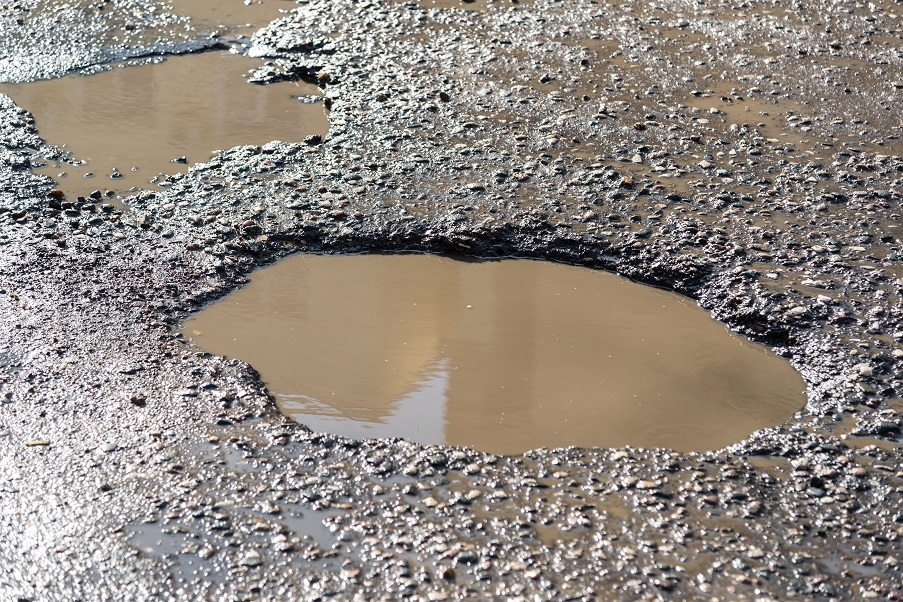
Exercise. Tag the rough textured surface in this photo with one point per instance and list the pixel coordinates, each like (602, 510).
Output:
(42, 40)
(611, 136)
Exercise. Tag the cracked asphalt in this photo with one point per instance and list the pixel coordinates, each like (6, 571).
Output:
(746, 155)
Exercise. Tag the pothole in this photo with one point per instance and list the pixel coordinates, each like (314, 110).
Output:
(237, 16)
(130, 127)
(501, 356)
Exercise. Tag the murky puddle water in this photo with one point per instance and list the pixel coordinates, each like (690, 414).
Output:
(239, 17)
(129, 127)
(502, 356)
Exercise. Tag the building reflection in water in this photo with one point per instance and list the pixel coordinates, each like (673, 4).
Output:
(502, 356)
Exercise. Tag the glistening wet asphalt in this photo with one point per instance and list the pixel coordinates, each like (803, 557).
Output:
(462, 131)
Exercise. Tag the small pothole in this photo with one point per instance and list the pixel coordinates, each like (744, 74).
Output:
(130, 127)
(238, 17)
(502, 356)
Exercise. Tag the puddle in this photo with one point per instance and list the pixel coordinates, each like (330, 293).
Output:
(128, 124)
(155, 538)
(767, 117)
(238, 16)
(501, 356)
(309, 524)
(838, 565)
(777, 467)
(863, 442)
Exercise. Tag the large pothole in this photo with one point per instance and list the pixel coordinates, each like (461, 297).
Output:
(502, 356)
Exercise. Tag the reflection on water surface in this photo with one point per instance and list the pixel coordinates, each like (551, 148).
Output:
(502, 356)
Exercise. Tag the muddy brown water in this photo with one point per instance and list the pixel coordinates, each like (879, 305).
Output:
(502, 356)
(237, 16)
(134, 121)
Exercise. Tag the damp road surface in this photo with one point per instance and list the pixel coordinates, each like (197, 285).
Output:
(745, 156)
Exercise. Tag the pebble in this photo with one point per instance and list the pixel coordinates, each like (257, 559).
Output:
(284, 546)
(251, 559)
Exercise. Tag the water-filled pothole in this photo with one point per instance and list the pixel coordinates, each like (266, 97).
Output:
(129, 124)
(238, 17)
(502, 356)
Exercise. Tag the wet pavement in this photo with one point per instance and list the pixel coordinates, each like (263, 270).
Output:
(135, 466)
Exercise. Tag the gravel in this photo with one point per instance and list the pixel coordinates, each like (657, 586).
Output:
(135, 466)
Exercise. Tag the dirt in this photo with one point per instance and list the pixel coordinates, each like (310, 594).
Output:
(444, 139)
